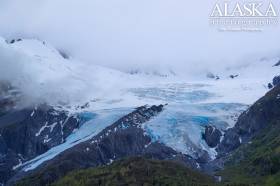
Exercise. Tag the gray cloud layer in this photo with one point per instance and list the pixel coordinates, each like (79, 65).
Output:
(125, 33)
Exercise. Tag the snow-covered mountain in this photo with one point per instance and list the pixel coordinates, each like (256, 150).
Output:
(40, 74)
(30, 64)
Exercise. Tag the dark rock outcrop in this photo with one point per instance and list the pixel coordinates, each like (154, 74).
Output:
(233, 76)
(276, 81)
(231, 141)
(64, 54)
(27, 133)
(124, 138)
(212, 76)
(9, 96)
(277, 64)
(12, 41)
(212, 136)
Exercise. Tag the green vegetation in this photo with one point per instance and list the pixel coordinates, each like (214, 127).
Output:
(137, 171)
(257, 163)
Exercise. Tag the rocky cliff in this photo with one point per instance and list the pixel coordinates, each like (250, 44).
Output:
(249, 152)
(28, 132)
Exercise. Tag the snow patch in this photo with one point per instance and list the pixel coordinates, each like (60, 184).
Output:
(42, 129)
(18, 165)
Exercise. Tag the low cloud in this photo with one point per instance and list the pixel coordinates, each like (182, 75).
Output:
(125, 34)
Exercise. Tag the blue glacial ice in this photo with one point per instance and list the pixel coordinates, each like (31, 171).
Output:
(183, 121)
(86, 116)
(181, 126)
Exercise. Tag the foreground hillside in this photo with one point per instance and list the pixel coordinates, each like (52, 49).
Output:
(135, 171)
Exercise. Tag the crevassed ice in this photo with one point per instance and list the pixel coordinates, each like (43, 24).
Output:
(181, 126)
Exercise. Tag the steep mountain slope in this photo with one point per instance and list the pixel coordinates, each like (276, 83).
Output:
(259, 116)
(257, 160)
(27, 133)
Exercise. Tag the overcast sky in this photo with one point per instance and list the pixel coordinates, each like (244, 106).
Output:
(123, 33)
